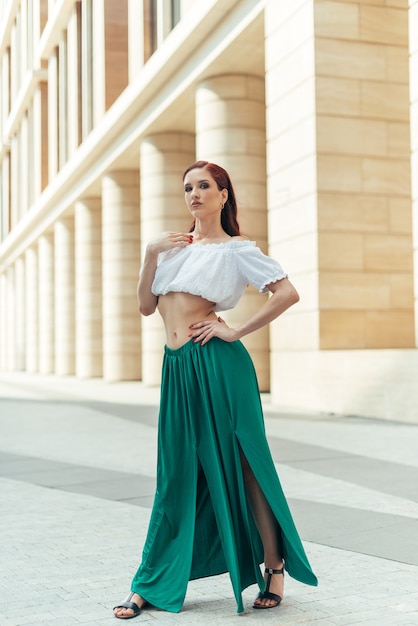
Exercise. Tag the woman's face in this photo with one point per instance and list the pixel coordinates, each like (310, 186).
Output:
(203, 198)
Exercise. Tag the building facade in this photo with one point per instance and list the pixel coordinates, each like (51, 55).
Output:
(311, 105)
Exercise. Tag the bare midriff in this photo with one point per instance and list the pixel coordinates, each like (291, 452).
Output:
(179, 311)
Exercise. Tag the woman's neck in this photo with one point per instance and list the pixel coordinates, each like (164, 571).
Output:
(208, 232)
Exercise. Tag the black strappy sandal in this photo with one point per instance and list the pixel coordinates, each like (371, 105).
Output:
(127, 604)
(267, 595)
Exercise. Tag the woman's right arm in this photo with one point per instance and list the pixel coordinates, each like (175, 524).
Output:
(147, 301)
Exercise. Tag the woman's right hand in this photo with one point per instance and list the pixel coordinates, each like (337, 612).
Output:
(168, 240)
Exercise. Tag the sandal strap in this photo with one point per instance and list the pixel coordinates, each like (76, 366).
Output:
(268, 595)
(270, 571)
(128, 605)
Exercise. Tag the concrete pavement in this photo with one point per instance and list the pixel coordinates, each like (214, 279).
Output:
(77, 474)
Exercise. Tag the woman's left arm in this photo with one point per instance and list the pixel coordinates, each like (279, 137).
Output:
(284, 295)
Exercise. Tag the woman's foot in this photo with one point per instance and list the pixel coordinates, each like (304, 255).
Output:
(131, 607)
(273, 593)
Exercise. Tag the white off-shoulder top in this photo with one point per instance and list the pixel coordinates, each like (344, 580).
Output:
(218, 272)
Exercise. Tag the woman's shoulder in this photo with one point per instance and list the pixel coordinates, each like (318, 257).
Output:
(230, 243)
(242, 243)
(237, 245)
(237, 241)
(242, 238)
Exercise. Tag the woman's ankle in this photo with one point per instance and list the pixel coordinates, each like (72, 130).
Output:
(276, 563)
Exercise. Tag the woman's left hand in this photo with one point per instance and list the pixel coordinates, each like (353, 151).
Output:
(204, 331)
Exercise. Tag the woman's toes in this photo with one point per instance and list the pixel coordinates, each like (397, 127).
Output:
(123, 612)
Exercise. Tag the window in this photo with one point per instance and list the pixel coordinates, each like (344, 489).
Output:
(86, 67)
(175, 12)
(150, 28)
(160, 17)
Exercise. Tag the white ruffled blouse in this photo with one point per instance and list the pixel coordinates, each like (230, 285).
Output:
(218, 272)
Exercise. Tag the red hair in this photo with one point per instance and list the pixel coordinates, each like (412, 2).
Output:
(229, 213)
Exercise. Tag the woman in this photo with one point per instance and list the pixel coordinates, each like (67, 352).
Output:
(218, 506)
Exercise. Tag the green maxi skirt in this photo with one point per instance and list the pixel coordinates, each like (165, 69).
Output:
(201, 523)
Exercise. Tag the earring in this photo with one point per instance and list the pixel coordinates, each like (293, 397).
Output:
(222, 207)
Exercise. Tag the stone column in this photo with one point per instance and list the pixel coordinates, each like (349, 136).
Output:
(64, 297)
(5, 192)
(121, 250)
(3, 321)
(88, 289)
(20, 314)
(15, 192)
(10, 319)
(46, 303)
(163, 159)
(32, 310)
(230, 131)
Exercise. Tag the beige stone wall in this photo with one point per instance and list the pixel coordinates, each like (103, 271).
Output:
(363, 174)
(312, 107)
(413, 90)
(338, 163)
(291, 171)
